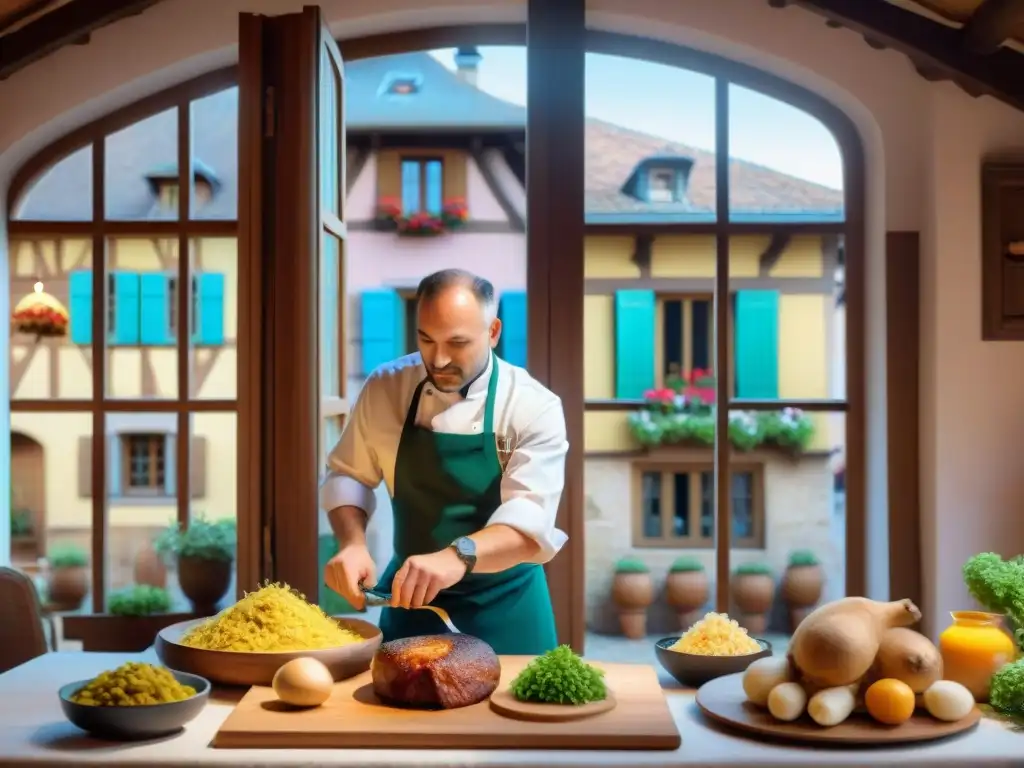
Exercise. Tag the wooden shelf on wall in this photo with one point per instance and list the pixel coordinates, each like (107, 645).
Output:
(1002, 251)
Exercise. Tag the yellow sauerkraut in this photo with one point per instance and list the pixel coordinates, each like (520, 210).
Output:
(273, 618)
(716, 635)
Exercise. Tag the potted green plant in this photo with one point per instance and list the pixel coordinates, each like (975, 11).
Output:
(686, 589)
(753, 590)
(24, 544)
(205, 554)
(133, 618)
(67, 577)
(632, 593)
(802, 585)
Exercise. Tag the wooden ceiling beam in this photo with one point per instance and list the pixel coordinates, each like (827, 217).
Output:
(991, 25)
(66, 25)
(933, 47)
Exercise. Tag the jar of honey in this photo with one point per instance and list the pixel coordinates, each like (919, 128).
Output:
(973, 647)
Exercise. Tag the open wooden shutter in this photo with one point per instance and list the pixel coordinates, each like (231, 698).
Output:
(757, 345)
(210, 304)
(155, 309)
(512, 311)
(634, 343)
(126, 309)
(383, 327)
(80, 306)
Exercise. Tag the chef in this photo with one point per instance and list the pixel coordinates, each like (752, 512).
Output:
(472, 450)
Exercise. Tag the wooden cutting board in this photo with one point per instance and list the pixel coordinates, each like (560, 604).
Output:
(353, 718)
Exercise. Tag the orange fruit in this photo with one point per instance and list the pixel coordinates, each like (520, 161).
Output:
(890, 701)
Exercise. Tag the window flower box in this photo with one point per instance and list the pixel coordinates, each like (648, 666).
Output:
(683, 414)
(389, 218)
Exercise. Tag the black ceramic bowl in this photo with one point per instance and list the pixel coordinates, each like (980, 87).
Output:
(129, 723)
(693, 670)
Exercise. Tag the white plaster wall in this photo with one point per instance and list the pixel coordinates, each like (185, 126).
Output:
(917, 136)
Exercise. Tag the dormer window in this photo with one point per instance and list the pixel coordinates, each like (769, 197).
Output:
(167, 195)
(163, 182)
(663, 187)
(401, 84)
(660, 179)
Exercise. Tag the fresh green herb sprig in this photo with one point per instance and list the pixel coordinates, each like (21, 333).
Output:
(1006, 692)
(560, 677)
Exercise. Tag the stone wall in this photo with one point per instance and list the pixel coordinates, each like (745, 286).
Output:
(799, 511)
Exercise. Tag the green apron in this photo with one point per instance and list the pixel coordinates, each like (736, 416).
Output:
(448, 486)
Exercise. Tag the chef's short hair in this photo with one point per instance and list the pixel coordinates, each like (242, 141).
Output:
(433, 285)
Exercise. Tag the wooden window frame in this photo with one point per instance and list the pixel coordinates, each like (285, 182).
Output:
(694, 469)
(157, 449)
(422, 161)
(172, 310)
(554, 253)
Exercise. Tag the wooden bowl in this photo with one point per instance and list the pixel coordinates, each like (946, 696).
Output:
(693, 670)
(130, 723)
(258, 668)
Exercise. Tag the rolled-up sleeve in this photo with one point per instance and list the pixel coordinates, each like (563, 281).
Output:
(531, 487)
(353, 471)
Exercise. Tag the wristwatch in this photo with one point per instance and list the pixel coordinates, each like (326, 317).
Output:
(465, 548)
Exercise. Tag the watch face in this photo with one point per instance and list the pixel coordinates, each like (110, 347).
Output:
(465, 547)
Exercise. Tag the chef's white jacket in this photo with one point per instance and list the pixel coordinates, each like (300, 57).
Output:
(528, 418)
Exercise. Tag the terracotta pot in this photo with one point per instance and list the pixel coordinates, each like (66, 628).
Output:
(149, 568)
(632, 591)
(204, 582)
(632, 594)
(754, 623)
(753, 593)
(66, 588)
(802, 585)
(24, 549)
(686, 590)
(633, 624)
(119, 634)
(797, 615)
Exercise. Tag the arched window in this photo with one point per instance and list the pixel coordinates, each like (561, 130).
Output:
(702, 178)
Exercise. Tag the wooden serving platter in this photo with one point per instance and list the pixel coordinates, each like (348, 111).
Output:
(354, 718)
(724, 701)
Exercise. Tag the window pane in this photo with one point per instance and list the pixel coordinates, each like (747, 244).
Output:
(791, 509)
(411, 201)
(330, 301)
(142, 317)
(651, 501)
(213, 318)
(330, 157)
(215, 156)
(784, 164)
(213, 486)
(672, 333)
(707, 505)
(51, 505)
(51, 323)
(141, 173)
(62, 192)
(701, 336)
(681, 504)
(435, 188)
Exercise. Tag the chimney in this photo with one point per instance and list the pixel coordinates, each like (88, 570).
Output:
(467, 62)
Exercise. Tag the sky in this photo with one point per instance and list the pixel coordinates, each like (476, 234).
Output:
(679, 105)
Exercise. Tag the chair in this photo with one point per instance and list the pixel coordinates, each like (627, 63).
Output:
(22, 631)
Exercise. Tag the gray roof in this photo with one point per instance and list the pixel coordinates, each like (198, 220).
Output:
(443, 101)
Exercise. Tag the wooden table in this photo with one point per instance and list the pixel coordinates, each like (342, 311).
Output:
(33, 731)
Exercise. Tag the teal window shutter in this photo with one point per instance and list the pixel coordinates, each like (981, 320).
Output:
(155, 309)
(383, 327)
(210, 305)
(757, 345)
(80, 306)
(126, 308)
(634, 343)
(512, 311)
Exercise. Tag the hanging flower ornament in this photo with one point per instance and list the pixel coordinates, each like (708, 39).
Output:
(39, 314)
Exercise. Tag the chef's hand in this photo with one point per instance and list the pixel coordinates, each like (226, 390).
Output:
(421, 577)
(347, 569)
